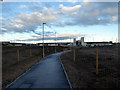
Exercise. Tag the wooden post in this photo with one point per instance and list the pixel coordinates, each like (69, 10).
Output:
(65, 52)
(97, 61)
(18, 56)
(30, 52)
(74, 54)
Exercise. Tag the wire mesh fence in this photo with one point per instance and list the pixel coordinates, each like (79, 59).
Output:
(17, 60)
(81, 67)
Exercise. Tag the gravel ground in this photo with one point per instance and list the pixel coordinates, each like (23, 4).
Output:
(82, 71)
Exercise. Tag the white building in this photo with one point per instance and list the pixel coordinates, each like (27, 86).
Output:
(82, 42)
(74, 41)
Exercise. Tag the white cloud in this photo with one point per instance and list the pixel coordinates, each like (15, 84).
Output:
(29, 22)
(84, 14)
(68, 35)
(114, 18)
(23, 6)
(70, 9)
(18, 26)
(72, 1)
(18, 20)
(51, 38)
(3, 29)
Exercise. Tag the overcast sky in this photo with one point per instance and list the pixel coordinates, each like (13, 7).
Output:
(22, 21)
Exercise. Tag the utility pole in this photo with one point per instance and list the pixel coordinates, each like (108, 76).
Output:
(55, 42)
(116, 40)
(43, 40)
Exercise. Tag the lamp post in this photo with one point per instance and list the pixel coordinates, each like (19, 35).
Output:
(43, 40)
(55, 42)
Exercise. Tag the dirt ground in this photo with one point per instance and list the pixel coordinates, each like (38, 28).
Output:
(29, 56)
(82, 71)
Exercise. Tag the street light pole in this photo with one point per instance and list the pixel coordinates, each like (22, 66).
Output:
(55, 42)
(43, 40)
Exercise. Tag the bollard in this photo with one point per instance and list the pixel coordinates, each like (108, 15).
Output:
(97, 61)
(18, 56)
(74, 54)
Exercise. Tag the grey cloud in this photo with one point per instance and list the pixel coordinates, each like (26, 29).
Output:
(49, 38)
(94, 14)
(46, 33)
(107, 4)
(65, 23)
(86, 14)
(62, 36)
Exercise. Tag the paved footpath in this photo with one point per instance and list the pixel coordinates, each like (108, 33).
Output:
(48, 73)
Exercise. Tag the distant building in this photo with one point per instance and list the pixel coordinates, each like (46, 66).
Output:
(12, 44)
(5, 43)
(81, 42)
(74, 41)
(92, 44)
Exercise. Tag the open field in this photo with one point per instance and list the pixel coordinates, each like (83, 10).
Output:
(28, 56)
(82, 71)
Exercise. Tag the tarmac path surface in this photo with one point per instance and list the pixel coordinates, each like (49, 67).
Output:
(48, 73)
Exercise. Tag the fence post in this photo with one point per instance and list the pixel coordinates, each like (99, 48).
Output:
(30, 52)
(18, 56)
(97, 61)
(74, 54)
(65, 52)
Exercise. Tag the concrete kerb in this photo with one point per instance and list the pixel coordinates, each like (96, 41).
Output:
(65, 70)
